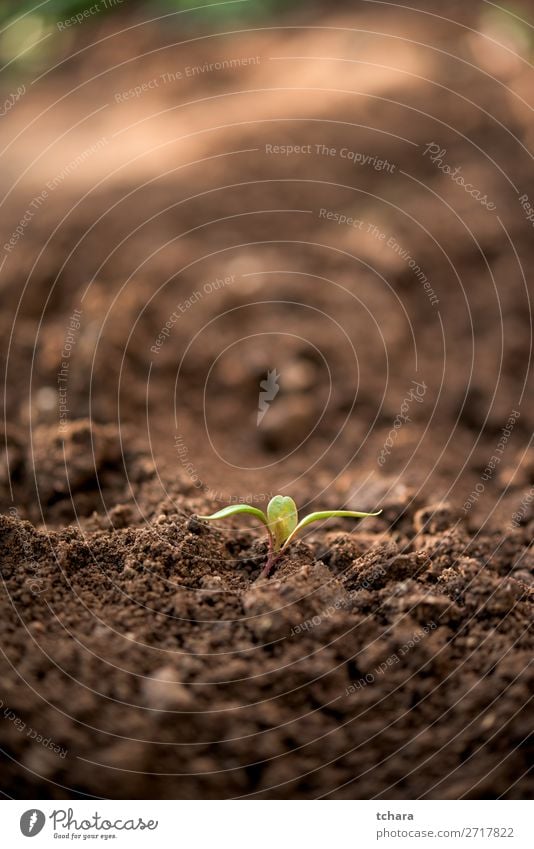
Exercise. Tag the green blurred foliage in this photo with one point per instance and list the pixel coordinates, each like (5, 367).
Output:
(34, 32)
(246, 9)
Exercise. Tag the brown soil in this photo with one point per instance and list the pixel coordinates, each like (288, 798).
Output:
(389, 658)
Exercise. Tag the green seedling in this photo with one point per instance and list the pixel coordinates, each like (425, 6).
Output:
(282, 522)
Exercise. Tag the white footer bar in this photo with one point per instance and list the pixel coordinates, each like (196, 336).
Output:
(269, 824)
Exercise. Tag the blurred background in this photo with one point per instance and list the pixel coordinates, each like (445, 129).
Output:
(333, 198)
(255, 247)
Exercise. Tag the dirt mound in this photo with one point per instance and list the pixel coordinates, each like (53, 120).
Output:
(365, 666)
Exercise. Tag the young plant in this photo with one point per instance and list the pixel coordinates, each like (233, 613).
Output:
(282, 522)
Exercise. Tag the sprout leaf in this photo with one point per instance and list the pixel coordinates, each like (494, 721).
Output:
(282, 522)
(282, 516)
(233, 509)
(326, 514)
